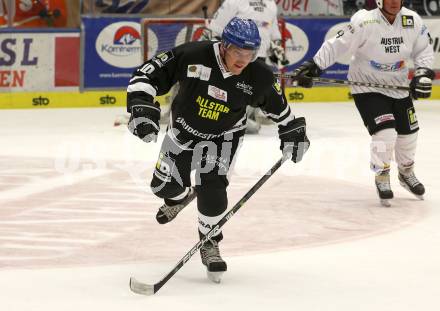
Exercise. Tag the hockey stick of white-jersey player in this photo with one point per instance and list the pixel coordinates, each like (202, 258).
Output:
(346, 82)
(207, 33)
(151, 289)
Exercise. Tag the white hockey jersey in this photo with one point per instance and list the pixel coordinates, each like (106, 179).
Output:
(263, 12)
(380, 50)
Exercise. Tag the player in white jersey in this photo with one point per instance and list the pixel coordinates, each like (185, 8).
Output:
(265, 14)
(381, 42)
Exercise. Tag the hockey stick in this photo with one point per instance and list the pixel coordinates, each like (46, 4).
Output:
(347, 82)
(205, 15)
(206, 23)
(147, 289)
(189, 32)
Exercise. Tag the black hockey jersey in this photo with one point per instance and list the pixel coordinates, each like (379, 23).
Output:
(210, 101)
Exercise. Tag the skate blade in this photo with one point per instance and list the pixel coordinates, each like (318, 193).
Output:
(385, 202)
(420, 197)
(215, 277)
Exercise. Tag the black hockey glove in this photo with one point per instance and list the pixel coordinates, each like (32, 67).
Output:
(304, 73)
(421, 83)
(144, 119)
(278, 56)
(294, 141)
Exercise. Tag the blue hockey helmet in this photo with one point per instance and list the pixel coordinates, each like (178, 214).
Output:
(242, 33)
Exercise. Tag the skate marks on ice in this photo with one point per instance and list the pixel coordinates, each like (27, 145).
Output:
(304, 211)
(105, 217)
(48, 218)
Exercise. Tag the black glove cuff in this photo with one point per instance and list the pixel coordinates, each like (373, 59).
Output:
(295, 126)
(138, 98)
(424, 72)
(141, 108)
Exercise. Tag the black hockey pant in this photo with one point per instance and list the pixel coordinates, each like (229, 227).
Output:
(211, 161)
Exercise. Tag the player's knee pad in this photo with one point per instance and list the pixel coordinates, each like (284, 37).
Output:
(167, 190)
(381, 148)
(405, 149)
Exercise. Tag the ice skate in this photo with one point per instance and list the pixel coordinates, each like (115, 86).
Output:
(215, 265)
(383, 188)
(168, 212)
(410, 182)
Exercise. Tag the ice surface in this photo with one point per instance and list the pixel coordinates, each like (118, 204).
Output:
(77, 220)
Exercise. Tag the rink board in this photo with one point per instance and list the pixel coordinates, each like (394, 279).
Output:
(43, 100)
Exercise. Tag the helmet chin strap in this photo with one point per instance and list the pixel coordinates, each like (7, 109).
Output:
(222, 55)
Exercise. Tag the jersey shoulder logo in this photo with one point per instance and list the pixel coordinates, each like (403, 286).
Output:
(370, 21)
(277, 87)
(407, 21)
(162, 58)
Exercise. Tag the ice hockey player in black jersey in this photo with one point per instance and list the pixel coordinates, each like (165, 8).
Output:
(207, 123)
(265, 15)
